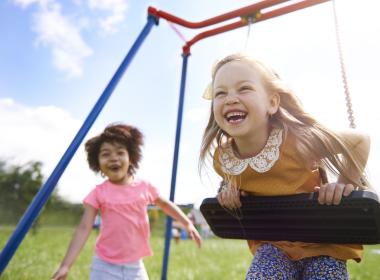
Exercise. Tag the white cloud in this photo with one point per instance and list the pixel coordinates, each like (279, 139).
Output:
(5, 102)
(61, 34)
(117, 8)
(32, 130)
(27, 3)
(43, 134)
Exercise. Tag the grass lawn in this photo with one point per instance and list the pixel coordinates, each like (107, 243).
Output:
(39, 255)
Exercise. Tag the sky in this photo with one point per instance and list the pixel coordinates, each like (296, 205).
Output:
(57, 57)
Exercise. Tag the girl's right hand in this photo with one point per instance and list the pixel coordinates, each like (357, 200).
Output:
(332, 193)
(229, 197)
(194, 234)
(61, 273)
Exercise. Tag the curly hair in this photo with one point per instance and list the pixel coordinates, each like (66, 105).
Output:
(128, 136)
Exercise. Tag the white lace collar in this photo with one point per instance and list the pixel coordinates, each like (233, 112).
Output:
(260, 163)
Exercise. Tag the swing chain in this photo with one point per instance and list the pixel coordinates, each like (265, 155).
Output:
(347, 94)
(249, 20)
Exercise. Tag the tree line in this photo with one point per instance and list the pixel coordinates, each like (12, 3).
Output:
(18, 186)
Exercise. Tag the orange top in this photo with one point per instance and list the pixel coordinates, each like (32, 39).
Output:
(279, 170)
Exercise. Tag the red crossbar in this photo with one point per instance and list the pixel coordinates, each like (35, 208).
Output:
(237, 13)
(254, 10)
(243, 22)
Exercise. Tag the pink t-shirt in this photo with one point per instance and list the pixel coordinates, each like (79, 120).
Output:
(124, 230)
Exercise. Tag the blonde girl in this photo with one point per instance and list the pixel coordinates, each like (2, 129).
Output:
(262, 142)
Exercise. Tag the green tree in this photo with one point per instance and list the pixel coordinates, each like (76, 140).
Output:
(18, 186)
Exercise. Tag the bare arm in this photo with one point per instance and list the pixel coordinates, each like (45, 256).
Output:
(77, 242)
(176, 213)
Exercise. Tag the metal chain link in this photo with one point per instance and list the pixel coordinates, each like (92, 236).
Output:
(250, 20)
(347, 94)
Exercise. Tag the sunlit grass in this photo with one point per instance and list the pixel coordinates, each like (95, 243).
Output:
(39, 255)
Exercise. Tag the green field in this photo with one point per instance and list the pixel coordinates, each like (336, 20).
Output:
(40, 254)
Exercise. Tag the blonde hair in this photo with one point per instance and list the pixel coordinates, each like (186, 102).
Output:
(313, 140)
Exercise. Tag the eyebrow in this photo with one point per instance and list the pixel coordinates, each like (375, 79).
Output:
(241, 82)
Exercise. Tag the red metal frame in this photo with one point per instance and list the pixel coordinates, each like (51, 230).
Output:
(249, 11)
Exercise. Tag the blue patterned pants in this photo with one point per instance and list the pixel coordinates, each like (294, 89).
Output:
(271, 263)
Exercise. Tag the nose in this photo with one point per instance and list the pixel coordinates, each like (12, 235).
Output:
(231, 99)
(113, 157)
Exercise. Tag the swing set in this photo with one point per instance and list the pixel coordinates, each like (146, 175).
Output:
(362, 205)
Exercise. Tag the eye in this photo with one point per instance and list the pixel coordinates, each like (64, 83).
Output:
(104, 154)
(245, 88)
(219, 93)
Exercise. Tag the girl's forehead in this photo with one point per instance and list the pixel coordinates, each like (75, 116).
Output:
(245, 64)
(238, 69)
(112, 145)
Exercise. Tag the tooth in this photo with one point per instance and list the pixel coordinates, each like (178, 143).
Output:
(232, 114)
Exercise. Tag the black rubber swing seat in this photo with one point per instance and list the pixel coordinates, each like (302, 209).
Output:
(298, 218)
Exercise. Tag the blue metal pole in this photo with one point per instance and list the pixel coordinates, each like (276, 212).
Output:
(45, 191)
(168, 234)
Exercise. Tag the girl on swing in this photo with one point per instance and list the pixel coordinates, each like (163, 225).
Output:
(264, 143)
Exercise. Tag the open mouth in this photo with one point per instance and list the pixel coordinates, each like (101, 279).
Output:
(114, 168)
(235, 117)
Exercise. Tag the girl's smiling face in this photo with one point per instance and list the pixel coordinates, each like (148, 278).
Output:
(241, 104)
(114, 162)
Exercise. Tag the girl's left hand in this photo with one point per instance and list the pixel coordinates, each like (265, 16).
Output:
(331, 193)
(193, 234)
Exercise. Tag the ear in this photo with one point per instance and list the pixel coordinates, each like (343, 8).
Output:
(274, 103)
